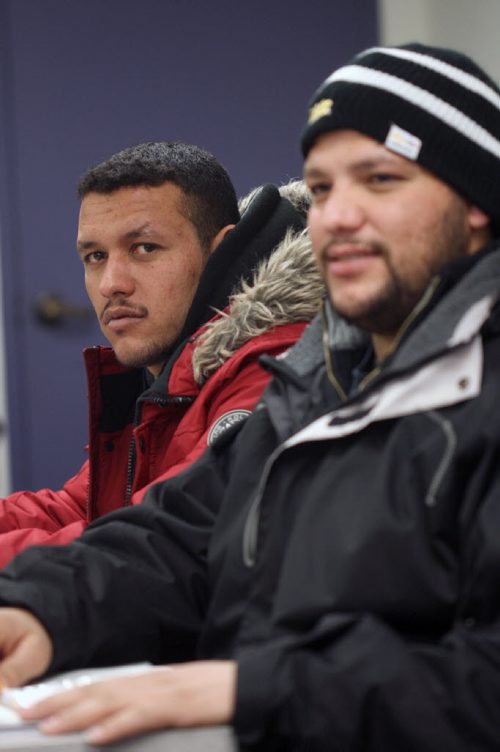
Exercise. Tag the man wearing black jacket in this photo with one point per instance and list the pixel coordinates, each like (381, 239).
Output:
(331, 568)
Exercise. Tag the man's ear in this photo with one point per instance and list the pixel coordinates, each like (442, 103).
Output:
(478, 220)
(217, 240)
(480, 228)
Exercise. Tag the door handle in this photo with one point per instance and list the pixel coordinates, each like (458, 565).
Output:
(51, 309)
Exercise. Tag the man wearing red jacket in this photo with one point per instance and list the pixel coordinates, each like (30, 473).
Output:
(163, 247)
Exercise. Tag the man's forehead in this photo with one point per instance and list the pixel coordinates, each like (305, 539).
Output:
(139, 196)
(130, 206)
(129, 215)
(351, 148)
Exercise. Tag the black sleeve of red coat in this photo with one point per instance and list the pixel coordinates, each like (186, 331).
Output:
(134, 585)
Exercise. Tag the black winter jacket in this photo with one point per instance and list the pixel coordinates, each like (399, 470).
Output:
(345, 551)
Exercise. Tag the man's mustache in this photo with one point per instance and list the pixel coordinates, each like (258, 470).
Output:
(121, 308)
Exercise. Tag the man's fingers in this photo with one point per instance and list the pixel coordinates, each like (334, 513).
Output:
(51, 705)
(125, 722)
(25, 646)
(77, 717)
(196, 694)
(108, 716)
(29, 659)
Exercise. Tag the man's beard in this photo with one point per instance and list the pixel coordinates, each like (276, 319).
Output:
(388, 309)
(151, 355)
(385, 313)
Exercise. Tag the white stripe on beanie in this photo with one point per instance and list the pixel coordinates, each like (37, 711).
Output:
(419, 97)
(455, 74)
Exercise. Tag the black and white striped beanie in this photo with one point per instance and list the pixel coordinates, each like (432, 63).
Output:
(431, 105)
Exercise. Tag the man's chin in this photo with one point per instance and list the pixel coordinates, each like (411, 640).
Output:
(152, 358)
(381, 317)
(357, 312)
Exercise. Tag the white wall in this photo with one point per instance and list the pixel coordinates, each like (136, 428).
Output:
(468, 26)
(4, 444)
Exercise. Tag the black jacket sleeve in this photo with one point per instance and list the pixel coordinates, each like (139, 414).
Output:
(134, 585)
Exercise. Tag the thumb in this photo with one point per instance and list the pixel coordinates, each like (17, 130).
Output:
(28, 649)
(26, 662)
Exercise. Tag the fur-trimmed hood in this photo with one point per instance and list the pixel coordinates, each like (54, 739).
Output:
(286, 288)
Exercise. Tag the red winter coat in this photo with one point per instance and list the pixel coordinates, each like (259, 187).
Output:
(168, 438)
(179, 414)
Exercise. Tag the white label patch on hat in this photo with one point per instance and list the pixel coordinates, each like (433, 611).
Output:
(403, 143)
(226, 421)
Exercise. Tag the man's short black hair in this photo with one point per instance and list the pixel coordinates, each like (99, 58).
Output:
(211, 201)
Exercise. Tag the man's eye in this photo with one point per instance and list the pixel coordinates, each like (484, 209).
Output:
(145, 248)
(93, 258)
(319, 189)
(381, 178)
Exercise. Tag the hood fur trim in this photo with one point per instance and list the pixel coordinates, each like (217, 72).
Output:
(286, 288)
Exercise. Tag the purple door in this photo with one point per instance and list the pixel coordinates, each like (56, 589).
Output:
(80, 80)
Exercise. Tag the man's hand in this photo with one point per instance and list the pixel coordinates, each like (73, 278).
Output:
(25, 647)
(189, 694)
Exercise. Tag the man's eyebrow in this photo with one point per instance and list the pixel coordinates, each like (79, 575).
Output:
(146, 229)
(313, 172)
(85, 245)
(370, 163)
(374, 162)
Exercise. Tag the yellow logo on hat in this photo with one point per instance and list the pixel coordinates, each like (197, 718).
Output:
(319, 110)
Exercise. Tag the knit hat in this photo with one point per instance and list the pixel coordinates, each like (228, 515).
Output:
(431, 105)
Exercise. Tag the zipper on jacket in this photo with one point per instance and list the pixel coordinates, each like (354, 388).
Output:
(132, 455)
(422, 303)
(155, 399)
(130, 471)
(450, 445)
(251, 529)
(369, 377)
(328, 359)
(331, 374)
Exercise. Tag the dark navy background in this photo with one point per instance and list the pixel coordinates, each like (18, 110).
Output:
(80, 80)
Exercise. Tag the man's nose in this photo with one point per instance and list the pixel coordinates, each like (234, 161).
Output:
(343, 211)
(117, 278)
